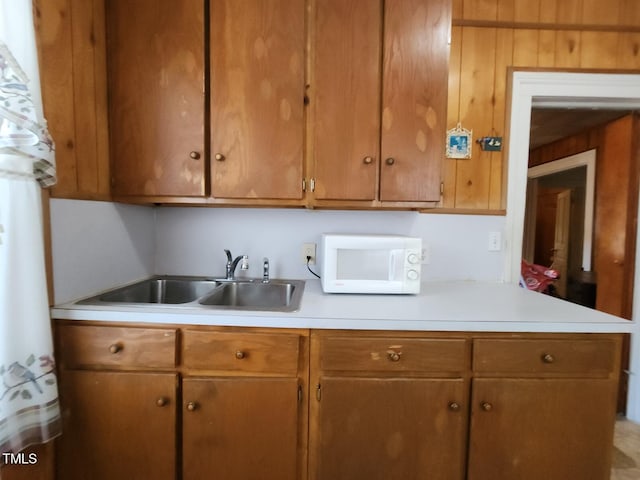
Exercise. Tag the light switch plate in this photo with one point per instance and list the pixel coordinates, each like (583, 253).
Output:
(495, 241)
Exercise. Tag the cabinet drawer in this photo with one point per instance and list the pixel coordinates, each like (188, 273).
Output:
(544, 356)
(242, 352)
(393, 354)
(117, 347)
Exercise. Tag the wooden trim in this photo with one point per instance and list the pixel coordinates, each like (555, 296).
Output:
(545, 26)
(46, 232)
(465, 211)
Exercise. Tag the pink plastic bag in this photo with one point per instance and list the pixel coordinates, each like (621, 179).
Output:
(537, 277)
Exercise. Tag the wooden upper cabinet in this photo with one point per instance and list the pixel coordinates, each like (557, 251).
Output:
(157, 101)
(414, 98)
(379, 96)
(346, 99)
(257, 55)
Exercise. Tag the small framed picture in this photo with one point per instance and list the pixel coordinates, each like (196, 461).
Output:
(459, 142)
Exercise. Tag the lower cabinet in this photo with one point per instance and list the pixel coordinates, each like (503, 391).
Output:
(531, 429)
(543, 407)
(281, 404)
(383, 428)
(117, 425)
(233, 407)
(388, 407)
(240, 428)
(244, 405)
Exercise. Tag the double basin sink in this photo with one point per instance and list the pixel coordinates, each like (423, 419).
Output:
(275, 295)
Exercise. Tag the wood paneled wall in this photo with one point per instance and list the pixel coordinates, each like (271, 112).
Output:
(73, 71)
(491, 36)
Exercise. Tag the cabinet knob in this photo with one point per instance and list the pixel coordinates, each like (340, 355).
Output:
(367, 160)
(486, 406)
(454, 406)
(195, 155)
(240, 355)
(548, 358)
(115, 348)
(390, 161)
(219, 157)
(192, 406)
(162, 401)
(393, 356)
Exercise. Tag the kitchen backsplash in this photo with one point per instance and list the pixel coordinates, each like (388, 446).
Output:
(97, 245)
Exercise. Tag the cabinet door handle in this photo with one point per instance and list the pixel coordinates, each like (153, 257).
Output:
(162, 401)
(394, 356)
(486, 406)
(390, 161)
(454, 406)
(220, 157)
(195, 155)
(115, 348)
(192, 406)
(240, 355)
(548, 358)
(367, 160)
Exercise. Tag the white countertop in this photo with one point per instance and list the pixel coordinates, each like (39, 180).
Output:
(441, 306)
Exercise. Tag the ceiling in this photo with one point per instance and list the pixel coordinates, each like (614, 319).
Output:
(551, 124)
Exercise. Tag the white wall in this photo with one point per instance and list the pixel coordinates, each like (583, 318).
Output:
(192, 240)
(98, 245)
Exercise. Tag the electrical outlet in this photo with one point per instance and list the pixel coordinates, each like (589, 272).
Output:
(426, 254)
(309, 250)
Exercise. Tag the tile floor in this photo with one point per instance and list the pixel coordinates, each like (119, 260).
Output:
(626, 451)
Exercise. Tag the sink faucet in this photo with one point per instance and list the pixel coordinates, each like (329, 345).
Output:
(233, 263)
(265, 270)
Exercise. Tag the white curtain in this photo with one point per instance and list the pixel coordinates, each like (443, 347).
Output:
(29, 410)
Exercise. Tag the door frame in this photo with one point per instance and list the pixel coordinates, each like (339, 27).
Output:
(583, 159)
(562, 89)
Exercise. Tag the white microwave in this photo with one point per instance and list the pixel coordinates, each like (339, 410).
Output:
(370, 263)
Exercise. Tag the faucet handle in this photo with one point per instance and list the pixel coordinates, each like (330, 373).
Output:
(229, 256)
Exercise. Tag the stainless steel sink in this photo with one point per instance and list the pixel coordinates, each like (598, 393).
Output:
(162, 290)
(275, 295)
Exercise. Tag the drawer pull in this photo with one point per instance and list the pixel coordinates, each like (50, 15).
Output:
(194, 155)
(548, 358)
(240, 355)
(454, 406)
(394, 356)
(192, 406)
(116, 348)
(162, 401)
(486, 406)
(220, 157)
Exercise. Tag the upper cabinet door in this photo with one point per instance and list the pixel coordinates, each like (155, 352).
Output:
(156, 88)
(346, 98)
(414, 98)
(257, 93)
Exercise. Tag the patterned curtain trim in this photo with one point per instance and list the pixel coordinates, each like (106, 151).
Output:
(29, 391)
(20, 131)
(38, 424)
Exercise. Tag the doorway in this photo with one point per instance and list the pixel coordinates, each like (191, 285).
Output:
(587, 90)
(558, 228)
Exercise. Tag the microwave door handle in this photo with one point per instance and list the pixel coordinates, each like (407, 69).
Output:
(392, 265)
